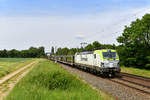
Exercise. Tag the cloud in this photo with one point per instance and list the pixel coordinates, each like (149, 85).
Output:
(80, 36)
(61, 31)
(115, 24)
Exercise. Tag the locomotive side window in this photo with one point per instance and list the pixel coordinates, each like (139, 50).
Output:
(94, 56)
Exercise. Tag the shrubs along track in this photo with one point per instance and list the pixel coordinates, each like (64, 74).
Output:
(47, 81)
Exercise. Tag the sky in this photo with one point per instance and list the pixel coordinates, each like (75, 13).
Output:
(65, 23)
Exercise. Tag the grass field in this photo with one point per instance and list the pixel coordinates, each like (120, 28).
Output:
(136, 71)
(13, 59)
(47, 81)
(8, 65)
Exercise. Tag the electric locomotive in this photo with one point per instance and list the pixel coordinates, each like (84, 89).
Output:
(104, 61)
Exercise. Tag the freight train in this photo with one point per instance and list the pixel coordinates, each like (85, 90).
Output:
(104, 61)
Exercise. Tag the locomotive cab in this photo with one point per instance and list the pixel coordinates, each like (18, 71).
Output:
(107, 60)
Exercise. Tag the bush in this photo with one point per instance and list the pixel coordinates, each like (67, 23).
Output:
(147, 66)
(148, 58)
(60, 81)
(55, 80)
(131, 61)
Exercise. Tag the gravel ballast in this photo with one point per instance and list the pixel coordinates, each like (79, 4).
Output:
(116, 90)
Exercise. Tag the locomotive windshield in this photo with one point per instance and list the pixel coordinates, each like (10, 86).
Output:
(109, 55)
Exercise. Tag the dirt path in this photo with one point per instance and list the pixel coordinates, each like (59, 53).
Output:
(9, 81)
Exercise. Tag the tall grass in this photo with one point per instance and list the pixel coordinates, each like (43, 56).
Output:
(47, 81)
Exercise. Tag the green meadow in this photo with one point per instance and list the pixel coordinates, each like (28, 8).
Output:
(136, 71)
(8, 65)
(48, 81)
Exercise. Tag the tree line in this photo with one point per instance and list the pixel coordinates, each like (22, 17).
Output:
(90, 47)
(134, 48)
(32, 52)
(135, 43)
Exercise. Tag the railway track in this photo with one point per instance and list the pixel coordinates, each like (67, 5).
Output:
(135, 76)
(117, 87)
(138, 83)
(139, 80)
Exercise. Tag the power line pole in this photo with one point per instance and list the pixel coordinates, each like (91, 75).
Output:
(55, 49)
(83, 44)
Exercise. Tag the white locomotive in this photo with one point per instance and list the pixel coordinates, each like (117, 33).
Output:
(105, 61)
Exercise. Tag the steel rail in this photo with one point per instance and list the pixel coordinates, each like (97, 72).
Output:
(121, 83)
(135, 76)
